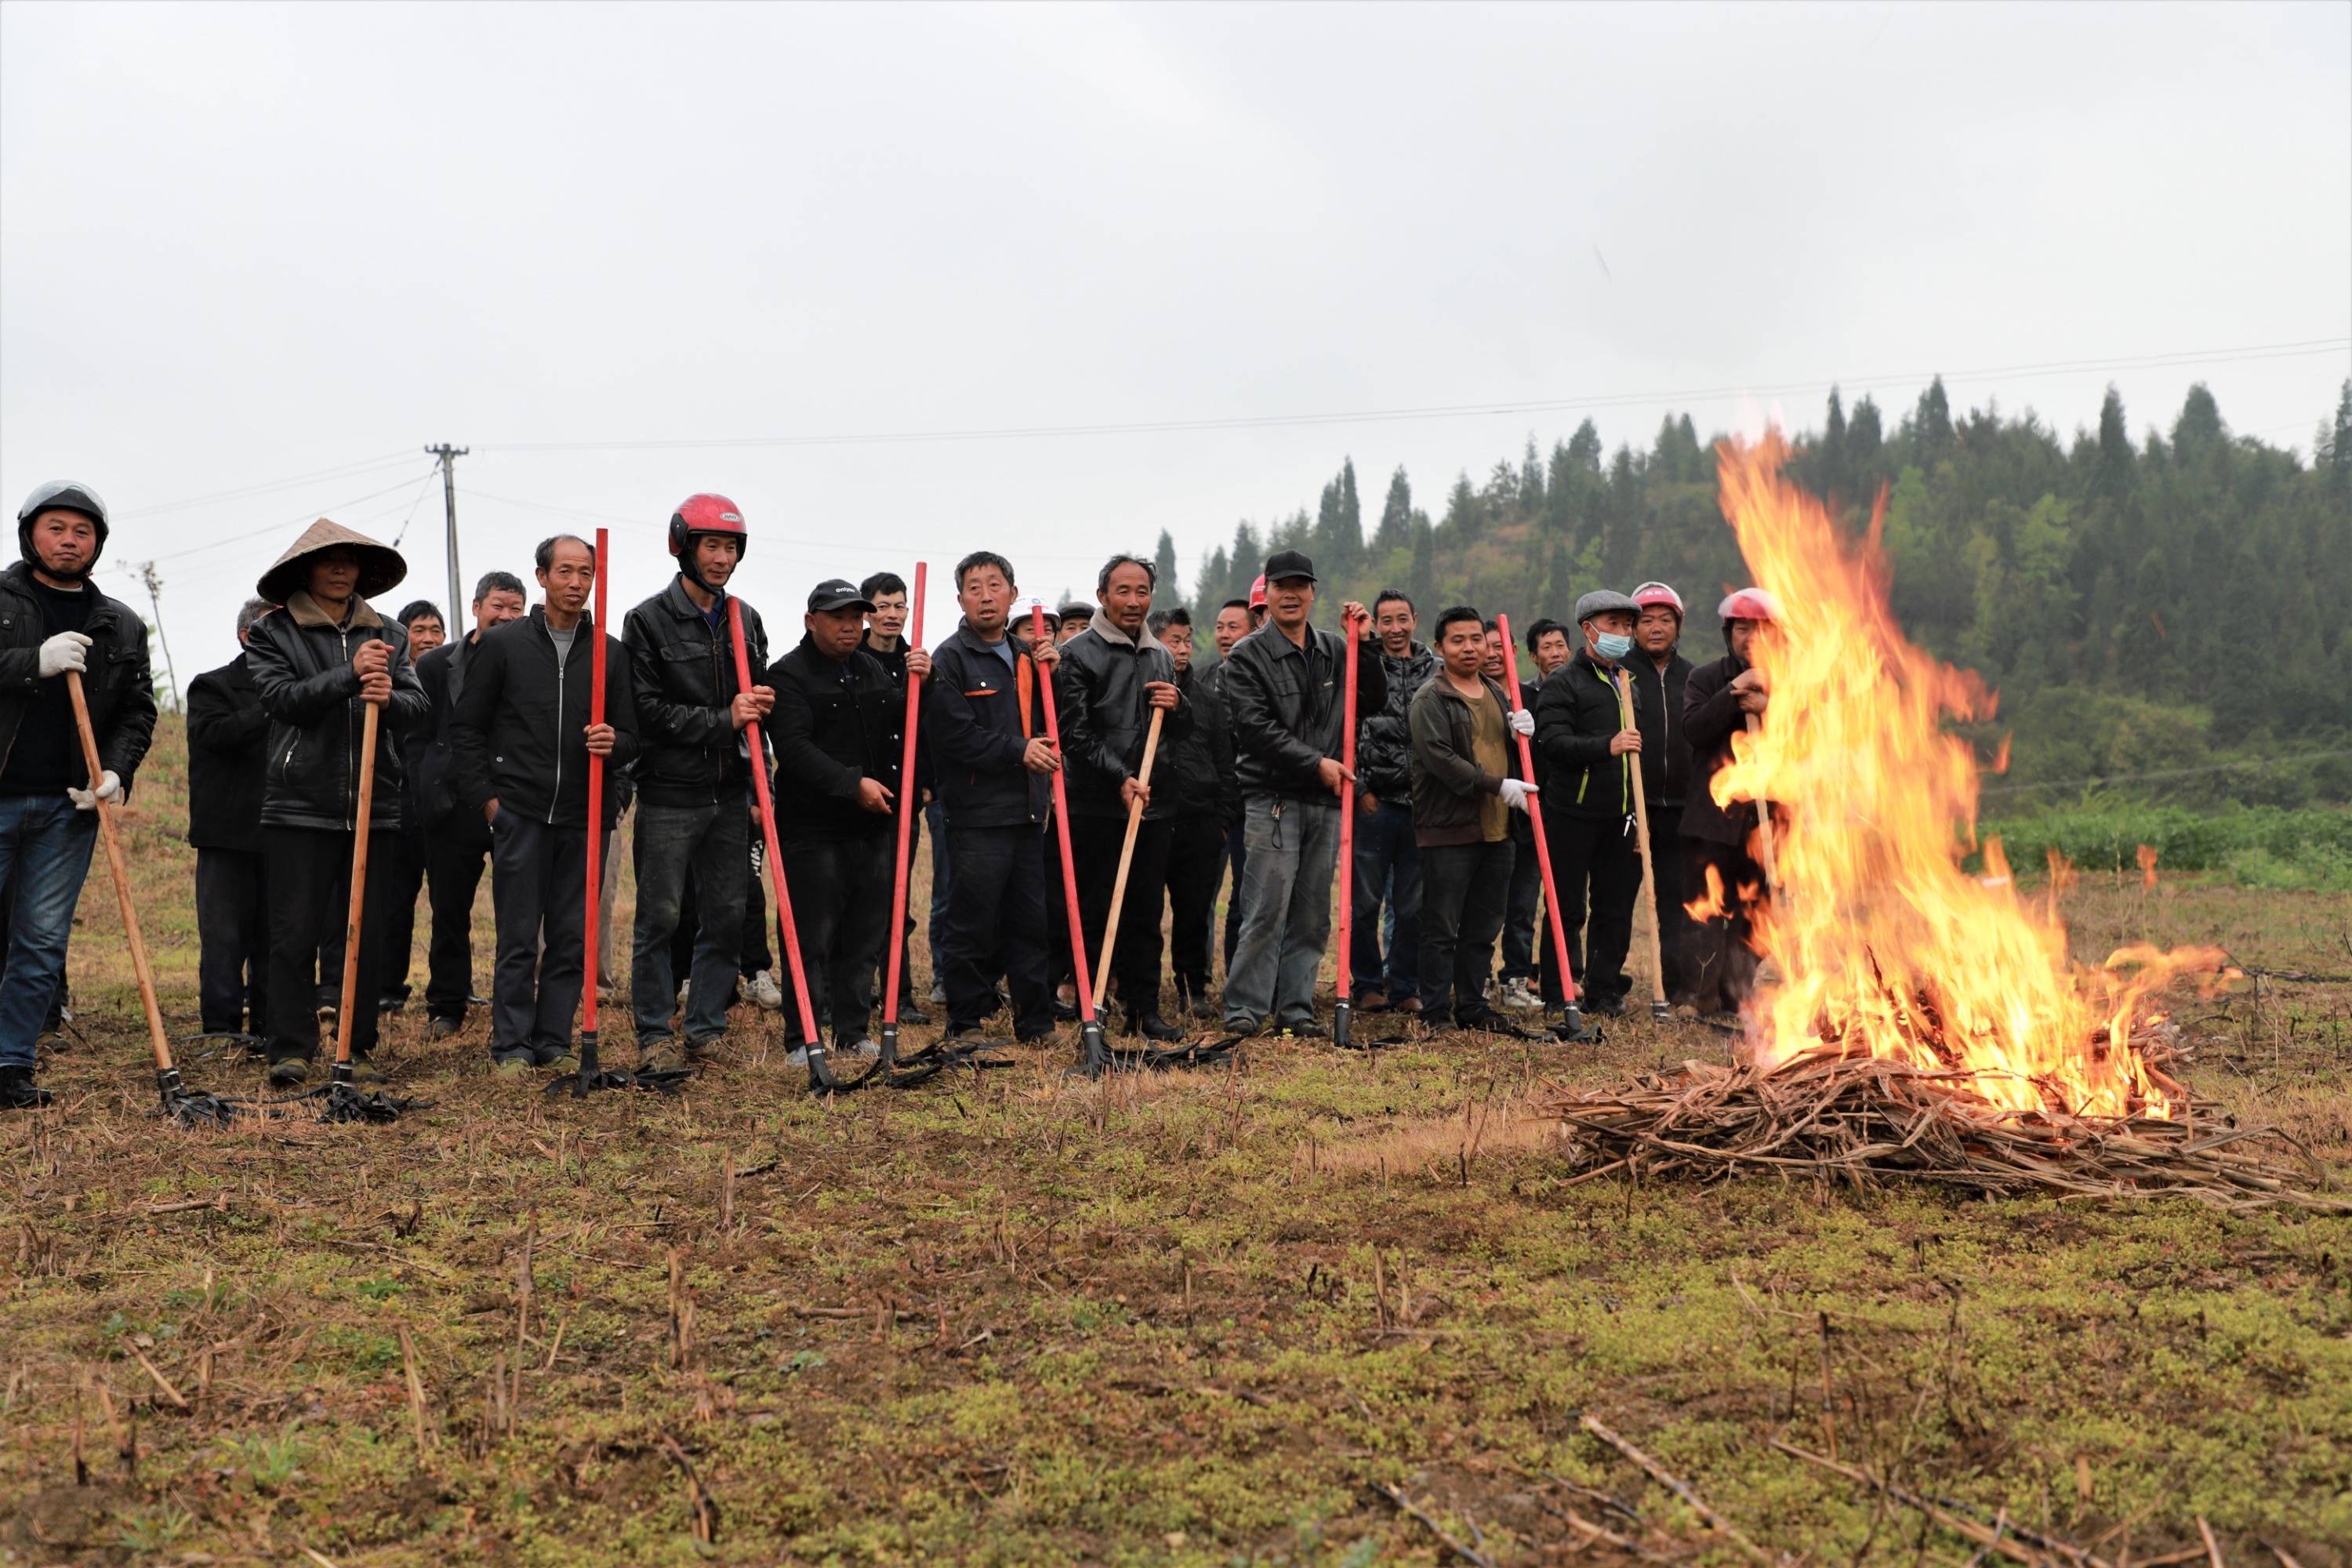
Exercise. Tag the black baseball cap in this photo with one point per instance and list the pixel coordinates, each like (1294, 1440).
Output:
(837, 593)
(1285, 564)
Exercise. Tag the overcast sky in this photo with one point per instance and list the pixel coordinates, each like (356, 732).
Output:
(247, 243)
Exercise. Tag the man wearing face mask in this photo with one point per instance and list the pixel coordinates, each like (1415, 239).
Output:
(1587, 757)
(53, 619)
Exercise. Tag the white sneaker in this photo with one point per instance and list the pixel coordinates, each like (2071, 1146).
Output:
(862, 1049)
(765, 992)
(797, 1057)
(938, 994)
(1518, 996)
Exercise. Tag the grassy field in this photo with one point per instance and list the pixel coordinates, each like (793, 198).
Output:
(1194, 1318)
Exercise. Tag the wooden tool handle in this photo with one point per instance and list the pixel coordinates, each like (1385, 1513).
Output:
(156, 1038)
(1127, 854)
(353, 927)
(1642, 838)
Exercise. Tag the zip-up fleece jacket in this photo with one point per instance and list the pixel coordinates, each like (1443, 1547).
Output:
(689, 751)
(1193, 774)
(837, 722)
(1449, 787)
(301, 664)
(1575, 716)
(117, 685)
(1286, 708)
(1710, 713)
(1383, 738)
(981, 716)
(518, 730)
(1665, 743)
(1098, 699)
(229, 751)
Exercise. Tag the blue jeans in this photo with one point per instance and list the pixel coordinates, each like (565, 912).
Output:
(715, 843)
(45, 847)
(1294, 847)
(1384, 850)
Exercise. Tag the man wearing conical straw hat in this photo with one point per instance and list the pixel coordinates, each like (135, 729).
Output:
(319, 661)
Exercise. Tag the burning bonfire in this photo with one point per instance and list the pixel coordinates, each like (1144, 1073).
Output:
(1917, 1020)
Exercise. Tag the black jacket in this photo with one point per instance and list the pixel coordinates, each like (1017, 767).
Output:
(690, 752)
(1449, 787)
(1384, 738)
(1665, 744)
(981, 716)
(1286, 708)
(1710, 715)
(1099, 702)
(835, 722)
(517, 728)
(301, 664)
(1194, 775)
(229, 748)
(893, 665)
(1575, 716)
(116, 683)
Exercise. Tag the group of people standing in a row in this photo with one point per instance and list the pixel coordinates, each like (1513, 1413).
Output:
(485, 744)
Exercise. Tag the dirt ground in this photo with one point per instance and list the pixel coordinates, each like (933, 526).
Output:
(1318, 1308)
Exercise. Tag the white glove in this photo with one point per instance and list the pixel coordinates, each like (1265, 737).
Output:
(109, 788)
(1523, 722)
(67, 650)
(1517, 794)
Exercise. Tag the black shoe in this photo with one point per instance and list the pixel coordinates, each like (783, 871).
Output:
(1066, 1010)
(1310, 1030)
(1605, 1007)
(289, 1072)
(472, 1001)
(391, 1004)
(1152, 1027)
(910, 1014)
(1195, 991)
(443, 1027)
(19, 1092)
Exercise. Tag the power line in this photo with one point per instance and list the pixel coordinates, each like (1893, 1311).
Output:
(342, 471)
(2300, 349)
(308, 513)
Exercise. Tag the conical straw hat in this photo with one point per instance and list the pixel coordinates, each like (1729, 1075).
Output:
(381, 567)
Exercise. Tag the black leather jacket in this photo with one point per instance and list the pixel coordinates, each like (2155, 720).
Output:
(836, 723)
(1575, 716)
(117, 685)
(980, 716)
(1099, 700)
(1384, 739)
(301, 664)
(689, 751)
(1665, 744)
(520, 726)
(1286, 708)
(229, 751)
(1194, 775)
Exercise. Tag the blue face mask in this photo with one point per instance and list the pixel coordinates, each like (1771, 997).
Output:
(1613, 646)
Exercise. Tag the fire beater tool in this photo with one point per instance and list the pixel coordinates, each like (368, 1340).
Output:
(1573, 1029)
(345, 1101)
(1095, 1058)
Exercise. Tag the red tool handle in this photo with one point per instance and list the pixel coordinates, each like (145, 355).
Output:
(1343, 976)
(595, 798)
(768, 827)
(1535, 818)
(908, 806)
(1062, 827)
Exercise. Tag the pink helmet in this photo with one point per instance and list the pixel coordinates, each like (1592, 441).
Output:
(1749, 604)
(1650, 594)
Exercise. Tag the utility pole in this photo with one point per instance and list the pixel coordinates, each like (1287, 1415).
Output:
(456, 612)
(145, 571)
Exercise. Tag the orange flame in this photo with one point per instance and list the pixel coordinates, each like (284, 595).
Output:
(2147, 864)
(1881, 945)
(1709, 904)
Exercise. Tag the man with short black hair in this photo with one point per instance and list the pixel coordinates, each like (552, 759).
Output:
(1289, 717)
(523, 740)
(1548, 644)
(1194, 778)
(1466, 785)
(1388, 867)
(1587, 801)
(404, 872)
(228, 752)
(1112, 676)
(53, 619)
(993, 764)
(456, 839)
(1659, 677)
(427, 630)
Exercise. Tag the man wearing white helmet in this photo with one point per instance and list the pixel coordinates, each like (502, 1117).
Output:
(1659, 674)
(1588, 758)
(53, 619)
(1719, 965)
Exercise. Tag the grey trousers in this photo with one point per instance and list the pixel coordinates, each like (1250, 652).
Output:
(713, 842)
(1293, 848)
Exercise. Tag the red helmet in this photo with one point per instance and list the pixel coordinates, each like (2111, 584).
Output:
(1650, 594)
(705, 514)
(1257, 593)
(1749, 604)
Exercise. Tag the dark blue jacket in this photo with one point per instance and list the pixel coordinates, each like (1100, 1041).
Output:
(980, 716)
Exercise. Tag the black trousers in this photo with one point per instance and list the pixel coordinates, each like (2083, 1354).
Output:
(309, 872)
(907, 933)
(1196, 862)
(1464, 888)
(456, 847)
(403, 877)
(840, 889)
(1718, 965)
(539, 884)
(232, 926)
(1520, 933)
(1667, 879)
(996, 914)
(1597, 867)
(1095, 844)
(1237, 861)
(1058, 971)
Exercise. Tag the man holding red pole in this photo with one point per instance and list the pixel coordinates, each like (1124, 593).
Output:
(1283, 682)
(522, 739)
(835, 733)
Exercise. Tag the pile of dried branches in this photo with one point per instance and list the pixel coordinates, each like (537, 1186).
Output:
(1865, 1120)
